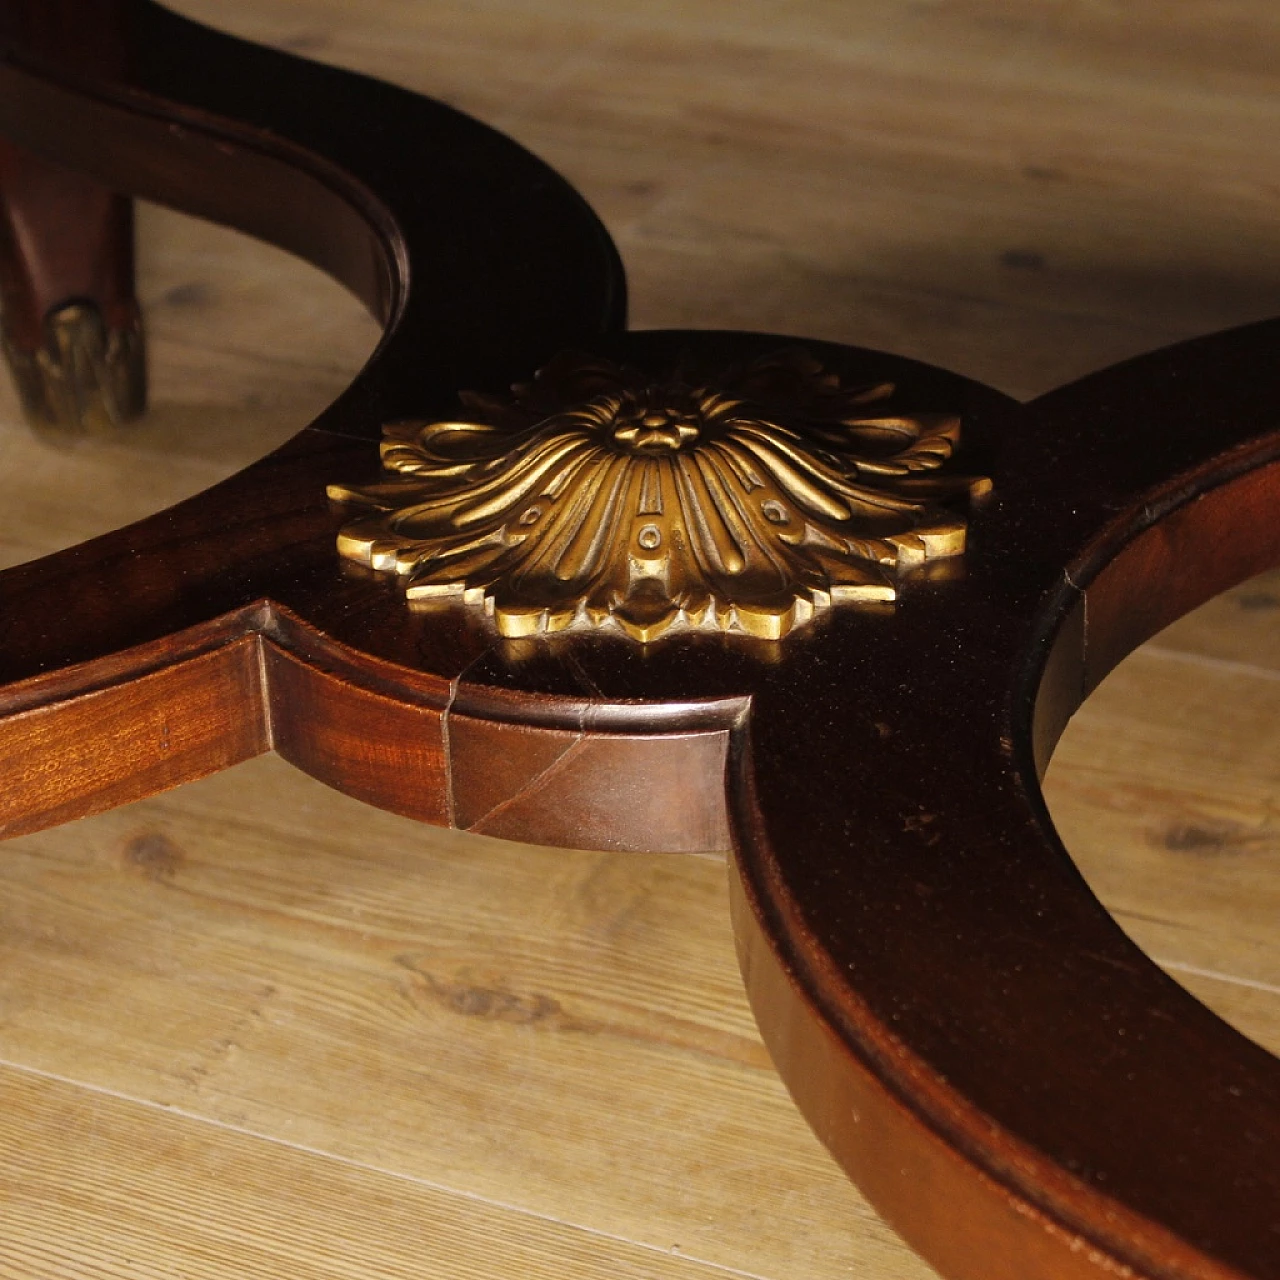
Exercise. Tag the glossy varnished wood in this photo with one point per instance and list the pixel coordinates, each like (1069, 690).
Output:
(1009, 1078)
(64, 237)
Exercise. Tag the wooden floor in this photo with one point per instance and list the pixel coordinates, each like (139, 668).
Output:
(254, 1029)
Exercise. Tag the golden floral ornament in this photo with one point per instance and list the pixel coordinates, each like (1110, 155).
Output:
(599, 497)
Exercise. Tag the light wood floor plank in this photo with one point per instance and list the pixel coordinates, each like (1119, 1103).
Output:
(1237, 627)
(1021, 197)
(559, 1030)
(98, 1185)
(1164, 789)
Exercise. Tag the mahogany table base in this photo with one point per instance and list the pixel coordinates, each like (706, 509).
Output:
(863, 715)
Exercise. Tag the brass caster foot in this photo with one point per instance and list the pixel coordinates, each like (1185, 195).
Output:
(85, 379)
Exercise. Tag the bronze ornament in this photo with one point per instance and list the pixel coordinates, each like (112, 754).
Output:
(87, 378)
(597, 497)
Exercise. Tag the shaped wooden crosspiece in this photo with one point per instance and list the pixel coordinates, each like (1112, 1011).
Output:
(595, 497)
(1020, 1089)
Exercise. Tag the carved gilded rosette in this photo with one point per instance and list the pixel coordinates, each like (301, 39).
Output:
(596, 497)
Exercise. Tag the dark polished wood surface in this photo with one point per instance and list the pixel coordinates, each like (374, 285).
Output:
(1013, 1082)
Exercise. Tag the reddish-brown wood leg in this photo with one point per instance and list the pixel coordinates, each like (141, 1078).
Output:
(72, 329)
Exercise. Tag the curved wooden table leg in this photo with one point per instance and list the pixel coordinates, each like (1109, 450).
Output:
(72, 326)
(1016, 1085)
(486, 262)
(72, 331)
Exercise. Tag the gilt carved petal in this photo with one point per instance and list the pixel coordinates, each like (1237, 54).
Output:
(596, 497)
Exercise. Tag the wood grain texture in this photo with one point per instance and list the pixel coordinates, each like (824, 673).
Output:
(1023, 194)
(559, 1031)
(508, 783)
(126, 740)
(208, 1197)
(1019, 196)
(1173, 762)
